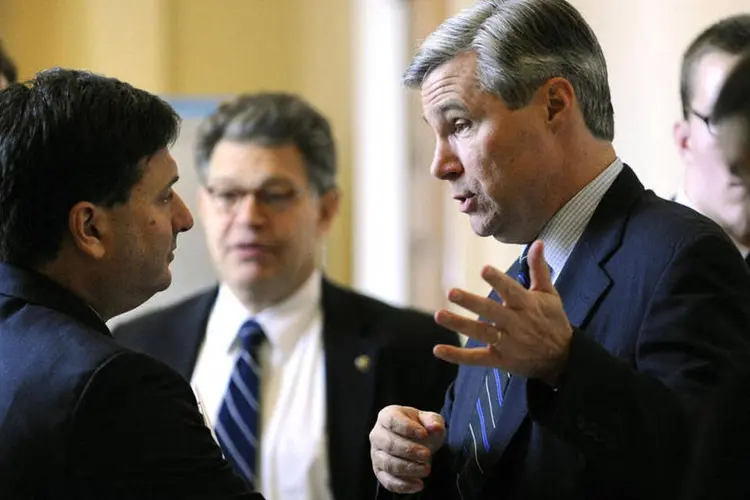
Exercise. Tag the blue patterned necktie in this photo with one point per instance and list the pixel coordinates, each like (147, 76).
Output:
(487, 409)
(237, 426)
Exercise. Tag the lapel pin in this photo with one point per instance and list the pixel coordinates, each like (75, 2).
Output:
(362, 362)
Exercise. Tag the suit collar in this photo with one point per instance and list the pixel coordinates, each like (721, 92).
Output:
(38, 289)
(351, 357)
(581, 284)
(284, 323)
(584, 280)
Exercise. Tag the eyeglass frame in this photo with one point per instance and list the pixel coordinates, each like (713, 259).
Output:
(710, 126)
(261, 196)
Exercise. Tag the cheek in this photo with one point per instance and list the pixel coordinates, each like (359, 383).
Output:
(217, 231)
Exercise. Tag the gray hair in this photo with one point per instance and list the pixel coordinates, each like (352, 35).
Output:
(270, 120)
(520, 44)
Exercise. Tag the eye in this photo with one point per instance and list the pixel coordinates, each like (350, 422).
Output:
(276, 196)
(460, 125)
(228, 197)
(168, 197)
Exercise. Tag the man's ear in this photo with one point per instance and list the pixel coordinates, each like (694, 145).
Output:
(681, 135)
(559, 97)
(330, 203)
(89, 227)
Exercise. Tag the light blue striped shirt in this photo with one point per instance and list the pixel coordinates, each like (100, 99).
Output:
(564, 229)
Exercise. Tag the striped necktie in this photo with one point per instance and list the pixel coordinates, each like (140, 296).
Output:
(237, 426)
(477, 449)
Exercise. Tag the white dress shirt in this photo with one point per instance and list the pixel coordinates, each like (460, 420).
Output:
(564, 229)
(293, 455)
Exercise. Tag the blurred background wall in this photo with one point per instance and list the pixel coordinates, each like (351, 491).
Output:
(399, 235)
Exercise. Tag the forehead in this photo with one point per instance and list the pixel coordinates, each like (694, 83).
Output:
(708, 76)
(452, 85)
(158, 172)
(250, 163)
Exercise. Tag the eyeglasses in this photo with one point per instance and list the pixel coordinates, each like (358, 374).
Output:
(271, 198)
(710, 126)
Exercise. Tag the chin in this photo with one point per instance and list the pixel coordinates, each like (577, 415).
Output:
(482, 227)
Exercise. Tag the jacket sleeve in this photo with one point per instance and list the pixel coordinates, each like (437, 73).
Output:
(635, 421)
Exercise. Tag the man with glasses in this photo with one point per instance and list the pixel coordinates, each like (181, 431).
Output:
(319, 359)
(723, 454)
(709, 185)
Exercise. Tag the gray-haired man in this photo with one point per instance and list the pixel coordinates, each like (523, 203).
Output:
(599, 349)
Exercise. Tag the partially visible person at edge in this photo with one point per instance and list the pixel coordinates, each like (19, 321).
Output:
(89, 221)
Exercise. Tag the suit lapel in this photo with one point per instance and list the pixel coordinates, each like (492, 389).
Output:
(186, 333)
(584, 280)
(581, 285)
(351, 362)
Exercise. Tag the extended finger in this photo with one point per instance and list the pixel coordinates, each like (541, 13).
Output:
(512, 293)
(541, 279)
(478, 330)
(485, 307)
(476, 356)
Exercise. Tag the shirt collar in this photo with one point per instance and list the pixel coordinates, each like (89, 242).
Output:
(564, 229)
(283, 323)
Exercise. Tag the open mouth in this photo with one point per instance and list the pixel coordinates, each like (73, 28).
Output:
(467, 202)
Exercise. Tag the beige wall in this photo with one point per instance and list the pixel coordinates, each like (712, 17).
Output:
(199, 47)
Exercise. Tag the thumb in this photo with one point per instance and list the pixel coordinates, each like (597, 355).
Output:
(432, 421)
(541, 279)
(435, 426)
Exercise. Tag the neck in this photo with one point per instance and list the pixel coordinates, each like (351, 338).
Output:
(64, 274)
(589, 157)
(585, 159)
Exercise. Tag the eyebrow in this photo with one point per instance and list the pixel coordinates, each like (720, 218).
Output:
(451, 105)
(172, 182)
(270, 181)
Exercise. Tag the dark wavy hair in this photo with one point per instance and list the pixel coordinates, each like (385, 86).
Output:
(68, 136)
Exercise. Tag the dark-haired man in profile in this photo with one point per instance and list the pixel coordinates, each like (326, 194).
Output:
(88, 225)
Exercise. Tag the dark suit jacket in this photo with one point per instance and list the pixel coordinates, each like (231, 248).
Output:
(721, 468)
(403, 369)
(660, 302)
(82, 417)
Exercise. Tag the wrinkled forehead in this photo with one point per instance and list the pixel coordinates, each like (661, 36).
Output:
(452, 85)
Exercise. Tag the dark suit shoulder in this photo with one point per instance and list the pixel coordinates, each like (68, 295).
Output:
(670, 221)
(401, 324)
(164, 318)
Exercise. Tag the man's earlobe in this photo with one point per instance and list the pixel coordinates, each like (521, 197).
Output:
(86, 223)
